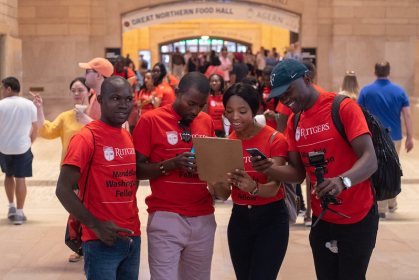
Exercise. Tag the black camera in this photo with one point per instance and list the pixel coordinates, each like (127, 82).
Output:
(317, 160)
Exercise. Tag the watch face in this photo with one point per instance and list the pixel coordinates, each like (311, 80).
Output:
(347, 182)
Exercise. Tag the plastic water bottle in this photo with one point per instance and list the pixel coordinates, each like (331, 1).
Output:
(333, 246)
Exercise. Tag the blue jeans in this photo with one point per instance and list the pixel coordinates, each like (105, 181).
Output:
(120, 261)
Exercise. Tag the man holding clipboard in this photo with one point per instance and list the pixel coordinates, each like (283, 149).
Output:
(181, 224)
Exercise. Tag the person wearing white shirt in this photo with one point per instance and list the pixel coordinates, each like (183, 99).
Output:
(18, 130)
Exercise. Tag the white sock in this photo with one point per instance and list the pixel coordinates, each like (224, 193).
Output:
(12, 204)
(19, 212)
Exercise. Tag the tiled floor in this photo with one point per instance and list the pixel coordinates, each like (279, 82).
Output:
(36, 249)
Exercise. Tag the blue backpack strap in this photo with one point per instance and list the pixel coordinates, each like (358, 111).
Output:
(336, 116)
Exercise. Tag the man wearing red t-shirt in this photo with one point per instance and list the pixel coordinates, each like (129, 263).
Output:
(101, 161)
(346, 175)
(181, 223)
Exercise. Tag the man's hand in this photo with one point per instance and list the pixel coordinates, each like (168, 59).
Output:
(37, 100)
(261, 165)
(108, 232)
(333, 186)
(269, 115)
(409, 145)
(185, 161)
(82, 117)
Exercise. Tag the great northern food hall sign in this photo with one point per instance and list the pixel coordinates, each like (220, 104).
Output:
(185, 11)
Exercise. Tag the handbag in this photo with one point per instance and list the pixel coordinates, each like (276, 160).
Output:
(292, 200)
(73, 230)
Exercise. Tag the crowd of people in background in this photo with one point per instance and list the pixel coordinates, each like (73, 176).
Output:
(246, 97)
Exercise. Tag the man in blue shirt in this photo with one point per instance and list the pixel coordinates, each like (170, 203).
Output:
(388, 101)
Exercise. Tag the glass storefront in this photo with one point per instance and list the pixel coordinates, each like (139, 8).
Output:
(199, 45)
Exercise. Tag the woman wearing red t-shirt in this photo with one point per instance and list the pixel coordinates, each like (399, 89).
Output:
(215, 107)
(258, 230)
(149, 97)
(165, 83)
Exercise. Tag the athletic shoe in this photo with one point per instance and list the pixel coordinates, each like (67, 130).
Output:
(382, 216)
(392, 209)
(12, 213)
(307, 221)
(20, 219)
(75, 258)
(301, 213)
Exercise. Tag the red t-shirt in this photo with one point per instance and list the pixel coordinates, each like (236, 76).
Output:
(158, 137)
(94, 107)
(216, 110)
(316, 132)
(269, 106)
(262, 141)
(111, 187)
(171, 80)
(130, 74)
(168, 94)
(144, 94)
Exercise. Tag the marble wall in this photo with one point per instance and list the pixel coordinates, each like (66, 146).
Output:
(348, 35)
(10, 44)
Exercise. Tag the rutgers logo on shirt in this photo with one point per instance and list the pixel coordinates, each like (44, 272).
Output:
(172, 137)
(108, 153)
(305, 132)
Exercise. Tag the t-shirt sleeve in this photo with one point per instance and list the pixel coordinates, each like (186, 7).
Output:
(279, 146)
(142, 136)
(159, 93)
(33, 113)
(130, 73)
(290, 135)
(173, 80)
(79, 151)
(353, 119)
(281, 108)
(406, 102)
(51, 130)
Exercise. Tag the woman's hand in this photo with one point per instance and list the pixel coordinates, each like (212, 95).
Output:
(242, 180)
(261, 165)
(37, 100)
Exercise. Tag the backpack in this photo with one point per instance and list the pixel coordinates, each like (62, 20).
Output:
(387, 179)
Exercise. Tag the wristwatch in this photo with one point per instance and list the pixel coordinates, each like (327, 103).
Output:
(256, 190)
(346, 182)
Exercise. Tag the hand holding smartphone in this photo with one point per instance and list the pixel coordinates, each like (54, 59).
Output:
(254, 152)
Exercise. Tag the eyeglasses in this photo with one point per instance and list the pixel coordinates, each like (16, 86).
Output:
(92, 70)
(186, 135)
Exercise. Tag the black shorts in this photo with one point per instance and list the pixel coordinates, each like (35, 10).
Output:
(19, 166)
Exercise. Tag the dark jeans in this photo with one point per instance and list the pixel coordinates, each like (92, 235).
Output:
(355, 244)
(120, 261)
(258, 240)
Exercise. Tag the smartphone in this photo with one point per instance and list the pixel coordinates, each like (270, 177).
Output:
(254, 152)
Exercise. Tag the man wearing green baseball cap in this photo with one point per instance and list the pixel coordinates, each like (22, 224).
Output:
(346, 172)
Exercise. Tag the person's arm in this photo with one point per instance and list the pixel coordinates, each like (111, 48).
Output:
(294, 172)
(151, 170)
(38, 102)
(247, 184)
(221, 190)
(106, 231)
(409, 128)
(157, 102)
(34, 132)
(365, 166)
(281, 122)
(232, 78)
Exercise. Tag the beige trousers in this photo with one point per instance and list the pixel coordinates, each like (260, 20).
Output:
(383, 206)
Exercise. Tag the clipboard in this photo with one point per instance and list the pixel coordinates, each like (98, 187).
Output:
(215, 157)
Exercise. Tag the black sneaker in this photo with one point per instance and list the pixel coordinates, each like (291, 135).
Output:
(382, 216)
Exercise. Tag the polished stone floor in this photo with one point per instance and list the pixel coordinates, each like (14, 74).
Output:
(36, 250)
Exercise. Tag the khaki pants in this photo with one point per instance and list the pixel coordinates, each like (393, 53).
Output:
(383, 206)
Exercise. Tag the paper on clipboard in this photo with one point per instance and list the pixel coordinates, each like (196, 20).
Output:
(215, 157)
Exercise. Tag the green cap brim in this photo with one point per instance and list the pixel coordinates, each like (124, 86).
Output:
(277, 91)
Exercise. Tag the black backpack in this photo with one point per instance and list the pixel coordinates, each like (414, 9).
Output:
(387, 179)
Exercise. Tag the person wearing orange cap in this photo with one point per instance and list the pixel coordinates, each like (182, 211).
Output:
(240, 69)
(97, 70)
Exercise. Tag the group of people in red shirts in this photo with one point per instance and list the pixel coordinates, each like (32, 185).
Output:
(106, 162)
